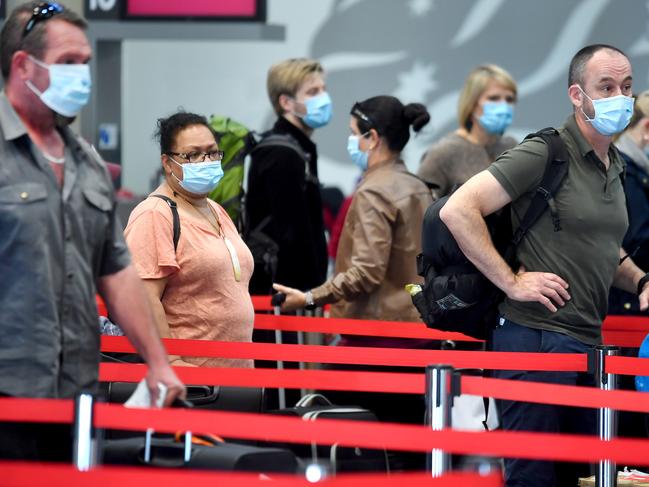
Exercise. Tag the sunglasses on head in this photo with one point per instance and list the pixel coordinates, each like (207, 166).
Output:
(40, 13)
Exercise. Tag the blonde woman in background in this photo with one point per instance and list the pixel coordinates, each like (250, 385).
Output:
(485, 111)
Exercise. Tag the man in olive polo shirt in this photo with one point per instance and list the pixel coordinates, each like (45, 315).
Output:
(557, 299)
(60, 241)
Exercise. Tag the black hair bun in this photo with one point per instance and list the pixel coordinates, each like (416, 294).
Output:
(416, 115)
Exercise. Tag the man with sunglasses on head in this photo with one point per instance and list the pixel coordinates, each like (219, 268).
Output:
(60, 241)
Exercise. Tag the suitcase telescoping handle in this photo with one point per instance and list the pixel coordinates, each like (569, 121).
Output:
(187, 451)
(313, 400)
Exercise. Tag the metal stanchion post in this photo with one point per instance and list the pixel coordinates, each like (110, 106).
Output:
(280, 364)
(606, 418)
(277, 300)
(84, 447)
(439, 400)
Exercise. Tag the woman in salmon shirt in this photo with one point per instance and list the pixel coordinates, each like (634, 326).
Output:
(198, 290)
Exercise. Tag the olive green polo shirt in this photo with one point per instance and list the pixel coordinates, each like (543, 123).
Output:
(585, 252)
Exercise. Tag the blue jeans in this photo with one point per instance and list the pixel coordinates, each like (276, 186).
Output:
(522, 416)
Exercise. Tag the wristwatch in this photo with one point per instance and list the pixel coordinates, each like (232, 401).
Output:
(310, 304)
(643, 280)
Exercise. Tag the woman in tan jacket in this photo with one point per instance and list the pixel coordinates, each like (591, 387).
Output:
(382, 232)
(378, 246)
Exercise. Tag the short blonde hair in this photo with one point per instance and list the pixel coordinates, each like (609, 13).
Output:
(285, 78)
(475, 85)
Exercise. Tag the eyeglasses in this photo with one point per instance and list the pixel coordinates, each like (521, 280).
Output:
(213, 155)
(41, 12)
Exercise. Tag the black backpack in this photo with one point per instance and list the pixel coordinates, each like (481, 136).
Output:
(263, 248)
(455, 295)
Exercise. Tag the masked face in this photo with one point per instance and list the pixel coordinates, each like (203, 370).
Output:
(612, 114)
(311, 102)
(200, 177)
(496, 117)
(69, 88)
(318, 111)
(358, 157)
(494, 110)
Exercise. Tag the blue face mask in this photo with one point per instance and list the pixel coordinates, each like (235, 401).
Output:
(358, 157)
(496, 117)
(318, 111)
(69, 88)
(612, 115)
(200, 177)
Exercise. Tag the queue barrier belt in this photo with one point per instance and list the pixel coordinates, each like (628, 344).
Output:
(390, 382)
(628, 323)
(623, 331)
(361, 434)
(396, 329)
(261, 303)
(627, 365)
(564, 362)
(23, 474)
(629, 339)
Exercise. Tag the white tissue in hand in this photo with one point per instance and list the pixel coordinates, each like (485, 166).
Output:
(141, 398)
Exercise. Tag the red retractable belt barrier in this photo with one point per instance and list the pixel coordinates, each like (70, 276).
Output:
(390, 382)
(36, 410)
(26, 474)
(397, 329)
(625, 331)
(560, 395)
(629, 323)
(562, 362)
(542, 446)
(627, 365)
(261, 303)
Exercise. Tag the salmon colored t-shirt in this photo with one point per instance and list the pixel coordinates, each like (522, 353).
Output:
(202, 299)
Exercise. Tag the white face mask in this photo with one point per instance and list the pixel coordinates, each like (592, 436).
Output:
(69, 88)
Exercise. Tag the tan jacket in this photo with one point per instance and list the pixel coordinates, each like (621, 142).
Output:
(380, 240)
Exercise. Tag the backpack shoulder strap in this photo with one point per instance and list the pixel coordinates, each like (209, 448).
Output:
(174, 214)
(556, 169)
(280, 140)
(270, 139)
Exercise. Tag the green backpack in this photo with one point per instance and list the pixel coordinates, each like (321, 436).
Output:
(236, 141)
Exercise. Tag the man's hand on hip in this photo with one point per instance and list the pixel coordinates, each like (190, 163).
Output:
(546, 288)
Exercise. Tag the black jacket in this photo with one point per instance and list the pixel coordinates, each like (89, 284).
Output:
(636, 189)
(279, 185)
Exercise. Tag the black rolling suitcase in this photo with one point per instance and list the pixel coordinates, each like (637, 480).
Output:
(337, 458)
(168, 453)
(241, 399)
